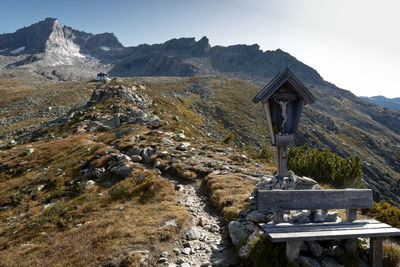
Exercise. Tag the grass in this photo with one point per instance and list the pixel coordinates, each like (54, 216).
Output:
(229, 194)
(79, 227)
(391, 254)
(26, 99)
(66, 224)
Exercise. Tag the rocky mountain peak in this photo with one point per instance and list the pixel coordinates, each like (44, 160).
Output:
(28, 40)
(57, 42)
(188, 46)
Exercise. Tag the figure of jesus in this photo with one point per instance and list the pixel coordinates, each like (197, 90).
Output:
(282, 104)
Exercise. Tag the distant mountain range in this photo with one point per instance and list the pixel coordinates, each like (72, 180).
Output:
(393, 103)
(47, 47)
(345, 123)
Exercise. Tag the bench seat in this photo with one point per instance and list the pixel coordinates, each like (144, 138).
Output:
(277, 201)
(286, 232)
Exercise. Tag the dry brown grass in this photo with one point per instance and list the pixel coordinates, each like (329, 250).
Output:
(82, 227)
(391, 254)
(229, 193)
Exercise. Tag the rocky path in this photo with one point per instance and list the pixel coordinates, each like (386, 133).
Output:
(203, 243)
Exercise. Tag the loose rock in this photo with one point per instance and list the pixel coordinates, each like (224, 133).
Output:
(191, 233)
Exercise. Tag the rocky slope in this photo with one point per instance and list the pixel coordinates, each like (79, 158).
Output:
(121, 186)
(131, 178)
(222, 105)
(393, 103)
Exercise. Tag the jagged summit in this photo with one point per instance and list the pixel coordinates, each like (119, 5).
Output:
(63, 53)
(28, 40)
(50, 36)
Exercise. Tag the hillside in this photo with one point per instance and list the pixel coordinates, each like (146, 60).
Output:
(224, 105)
(393, 103)
(121, 181)
(339, 120)
(133, 172)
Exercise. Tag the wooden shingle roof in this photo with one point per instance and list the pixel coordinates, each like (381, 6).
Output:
(286, 76)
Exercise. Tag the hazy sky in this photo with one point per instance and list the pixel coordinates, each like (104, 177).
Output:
(354, 44)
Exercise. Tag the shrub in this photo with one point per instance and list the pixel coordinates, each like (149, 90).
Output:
(229, 138)
(386, 213)
(324, 166)
(265, 153)
(391, 254)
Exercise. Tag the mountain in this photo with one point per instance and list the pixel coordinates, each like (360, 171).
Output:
(219, 83)
(46, 48)
(393, 103)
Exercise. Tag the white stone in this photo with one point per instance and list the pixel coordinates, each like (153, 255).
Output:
(331, 216)
(319, 216)
(306, 180)
(191, 233)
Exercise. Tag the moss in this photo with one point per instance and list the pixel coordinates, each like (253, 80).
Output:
(268, 254)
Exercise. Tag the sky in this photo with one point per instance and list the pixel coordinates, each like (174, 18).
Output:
(353, 44)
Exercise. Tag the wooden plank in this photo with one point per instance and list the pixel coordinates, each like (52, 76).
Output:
(314, 199)
(311, 228)
(278, 216)
(317, 224)
(292, 251)
(376, 252)
(351, 215)
(326, 235)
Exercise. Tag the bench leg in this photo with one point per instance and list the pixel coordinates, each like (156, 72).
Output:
(376, 251)
(292, 251)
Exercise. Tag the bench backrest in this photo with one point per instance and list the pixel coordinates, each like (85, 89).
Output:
(314, 199)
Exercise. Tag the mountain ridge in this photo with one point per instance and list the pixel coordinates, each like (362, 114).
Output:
(393, 103)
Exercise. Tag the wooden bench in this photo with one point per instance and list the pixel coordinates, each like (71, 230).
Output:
(278, 201)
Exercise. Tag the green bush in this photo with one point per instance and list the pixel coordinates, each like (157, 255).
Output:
(264, 153)
(324, 166)
(229, 138)
(386, 213)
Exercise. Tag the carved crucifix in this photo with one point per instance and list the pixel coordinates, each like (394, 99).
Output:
(283, 104)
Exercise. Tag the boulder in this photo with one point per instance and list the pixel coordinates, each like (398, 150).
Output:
(183, 146)
(238, 232)
(315, 248)
(136, 158)
(123, 170)
(90, 184)
(244, 251)
(307, 262)
(319, 216)
(306, 180)
(191, 233)
(256, 216)
(301, 216)
(351, 245)
(331, 216)
(330, 262)
(168, 141)
(28, 151)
